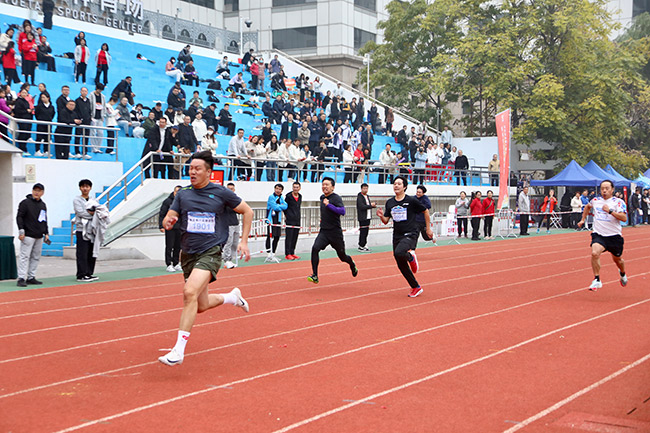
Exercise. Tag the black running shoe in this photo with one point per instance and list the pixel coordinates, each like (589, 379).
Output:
(313, 279)
(354, 270)
(33, 281)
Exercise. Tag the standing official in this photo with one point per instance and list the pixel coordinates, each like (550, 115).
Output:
(364, 214)
(172, 237)
(32, 231)
(292, 221)
(230, 249)
(523, 201)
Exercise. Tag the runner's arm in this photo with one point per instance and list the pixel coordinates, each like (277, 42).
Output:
(585, 212)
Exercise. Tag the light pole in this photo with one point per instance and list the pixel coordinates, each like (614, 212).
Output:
(366, 61)
(248, 23)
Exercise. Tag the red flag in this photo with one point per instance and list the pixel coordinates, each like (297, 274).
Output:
(503, 138)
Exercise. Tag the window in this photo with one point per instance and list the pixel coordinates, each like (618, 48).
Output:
(640, 6)
(361, 37)
(231, 6)
(291, 2)
(289, 39)
(168, 33)
(367, 4)
(204, 3)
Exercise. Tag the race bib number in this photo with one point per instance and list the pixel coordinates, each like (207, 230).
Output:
(200, 222)
(399, 213)
(42, 216)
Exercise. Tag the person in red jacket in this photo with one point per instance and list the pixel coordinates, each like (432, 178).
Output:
(488, 211)
(9, 64)
(548, 207)
(29, 50)
(255, 70)
(476, 208)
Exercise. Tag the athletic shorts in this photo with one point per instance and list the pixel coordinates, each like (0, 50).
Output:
(209, 260)
(613, 244)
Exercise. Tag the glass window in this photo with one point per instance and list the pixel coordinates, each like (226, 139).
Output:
(361, 37)
(640, 6)
(367, 4)
(231, 5)
(291, 2)
(288, 39)
(204, 3)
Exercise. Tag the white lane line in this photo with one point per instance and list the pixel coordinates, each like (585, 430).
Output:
(36, 388)
(431, 376)
(580, 393)
(224, 278)
(371, 397)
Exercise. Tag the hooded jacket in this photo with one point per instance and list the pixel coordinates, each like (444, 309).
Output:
(32, 217)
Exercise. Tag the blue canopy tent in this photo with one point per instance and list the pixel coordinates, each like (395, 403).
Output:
(572, 175)
(616, 177)
(642, 181)
(595, 169)
(647, 173)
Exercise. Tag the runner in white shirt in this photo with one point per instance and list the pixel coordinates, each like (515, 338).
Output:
(608, 213)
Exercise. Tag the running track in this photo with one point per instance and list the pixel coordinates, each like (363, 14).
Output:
(505, 338)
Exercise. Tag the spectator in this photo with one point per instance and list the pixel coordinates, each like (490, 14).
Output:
(172, 236)
(199, 126)
(269, 111)
(645, 205)
(390, 118)
(63, 99)
(5, 38)
(338, 91)
(81, 57)
(547, 209)
(161, 140)
(185, 56)
(124, 118)
(272, 155)
(124, 89)
(99, 113)
(348, 160)
(278, 109)
(23, 110)
(196, 98)
(248, 57)
(190, 74)
(225, 120)
(63, 133)
(85, 246)
(461, 165)
(44, 54)
(137, 116)
(194, 109)
(79, 37)
(209, 141)
(277, 81)
(111, 122)
(29, 51)
(149, 123)
(283, 157)
(32, 231)
(222, 66)
(255, 70)
(275, 205)
(209, 116)
(493, 170)
(230, 247)
(293, 200)
(275, 66)
(102, 62)
(9, 63)
(172, 71)
(303, 133)
(22, 36)
(186, 137)
(4, 108)
(420, 165)
(523, 202)
(387, 159)
(462, 211)
(82, 133)
(488, 211)
(237, 153)
(174, 99)
(44, 111)
(402, 139)
(373, 118)
(576, 209)
(635, 207)
(476, 208)
(261, 75)
(237, 82)
(446, 136)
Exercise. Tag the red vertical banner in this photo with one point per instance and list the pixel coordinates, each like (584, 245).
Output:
(503, 138)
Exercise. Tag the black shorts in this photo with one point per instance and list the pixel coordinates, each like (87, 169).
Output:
(613, 244)
(329, 237)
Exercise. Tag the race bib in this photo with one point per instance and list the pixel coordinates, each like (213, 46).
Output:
(42, 216)
(200, 222)
(398, 213)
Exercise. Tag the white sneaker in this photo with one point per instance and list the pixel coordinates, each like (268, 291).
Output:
(87, 156)
(170, 268)
(172, 358)
(595, 285)
(112, 152)
(242, 302)
(38, 153)
(178, 267)
(97, 151)
(46, 154)
(229, 264)
(624, 280)
(271, 259)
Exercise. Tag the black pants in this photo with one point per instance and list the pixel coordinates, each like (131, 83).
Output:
(42, 136)
(461, 175)
(29, 68)
(487, 225)
(274, 233)
(189, 79)
(230, 126)
(254, 81)
(243, 169)
(160, 165)
(401, 247)
(11, 75)
(291, 239)
(541, 220)
(334, 238)
(81, 72)
(523, 224)
(172, 247)
(110, 140)
(419, 176)
(81, 133)
(364, 227)
(494, 179)
(476, 223)
(49, 61)
(347, 178)
(24, 133)
(462, 226)
(102, 69)
(422, 229)
(259, 170)
(85, 259)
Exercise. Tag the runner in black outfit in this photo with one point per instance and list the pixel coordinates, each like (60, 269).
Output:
(331, 209)
(403, 209)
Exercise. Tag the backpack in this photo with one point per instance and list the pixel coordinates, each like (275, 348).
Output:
(215, 85)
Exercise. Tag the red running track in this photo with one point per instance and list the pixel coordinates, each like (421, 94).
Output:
(505, 338)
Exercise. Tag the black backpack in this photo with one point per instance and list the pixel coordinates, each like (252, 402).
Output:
(215, 85)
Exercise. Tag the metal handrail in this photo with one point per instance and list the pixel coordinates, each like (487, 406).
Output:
(360, 92)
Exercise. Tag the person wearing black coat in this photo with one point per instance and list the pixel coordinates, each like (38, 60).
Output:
(461, 166)
(186, 137)
(44, 111)
(161, 140)
(358, 120)
(402, 140)
(278, 109)
(184, 55)
(209, 117)
(247, 58)
(289, 129)
(267, 132)
(315, 133)
(85, 113)
(172, 237)
(32, 231)
(63, 133)
(124, 89)
(225, 120)
(23, 111)
(292, 218)
(364, 214)
(63, 99)
(174, 99)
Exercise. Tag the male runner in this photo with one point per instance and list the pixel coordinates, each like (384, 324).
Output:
(331, 210)
(200, 209)
(403, 209)
(608, 213)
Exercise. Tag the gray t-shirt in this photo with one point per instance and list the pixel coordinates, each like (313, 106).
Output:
(202, 213)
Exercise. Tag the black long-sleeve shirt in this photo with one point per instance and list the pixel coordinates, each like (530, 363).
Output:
(32, 217)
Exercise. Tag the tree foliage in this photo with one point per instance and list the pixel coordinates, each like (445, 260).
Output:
(550, 61)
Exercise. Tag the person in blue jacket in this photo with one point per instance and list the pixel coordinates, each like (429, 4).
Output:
(275, 205)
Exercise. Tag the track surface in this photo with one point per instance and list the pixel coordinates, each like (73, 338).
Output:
(505, 338)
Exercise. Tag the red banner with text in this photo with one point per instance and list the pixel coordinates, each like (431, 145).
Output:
(503, 138)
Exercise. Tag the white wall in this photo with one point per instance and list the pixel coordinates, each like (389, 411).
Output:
(7, 212)
(478, 150)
